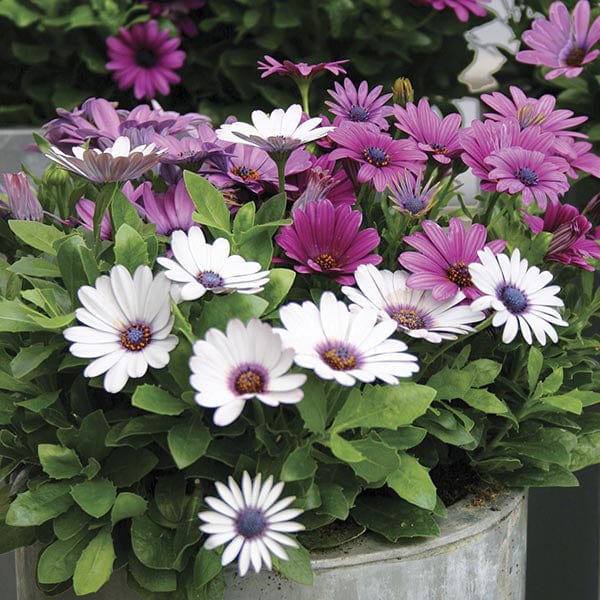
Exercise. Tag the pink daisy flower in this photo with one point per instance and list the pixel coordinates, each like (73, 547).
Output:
(562, 42)
(269, 66)
(461, 8)
(171, 210)
(359, 105)
(533, 174)
(531, 111)
(410, 196)
(442, 261)
(578, 156)
(381, 158)
(573, 241)
(326, 239)
(144, 58)
(434, 135)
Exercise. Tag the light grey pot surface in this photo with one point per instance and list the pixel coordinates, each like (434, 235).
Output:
(13, 151)
(480, 555)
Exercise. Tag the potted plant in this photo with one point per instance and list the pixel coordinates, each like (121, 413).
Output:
(243, 344)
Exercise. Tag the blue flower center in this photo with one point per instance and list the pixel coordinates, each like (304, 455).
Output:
(358, 113)
(145, 57)
(246, 173)
(339, 358)
(376, 156)
(527, 176)
(408, 318)
(210, 279)
(513, 298)
(136, 337)
(251, 523)
(439, 149)
(414, 205)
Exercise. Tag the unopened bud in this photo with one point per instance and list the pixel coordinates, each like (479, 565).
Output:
(55, 176)
(403, 91)
(23, 204)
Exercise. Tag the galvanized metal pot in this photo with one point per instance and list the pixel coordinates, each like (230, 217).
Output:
(480, 555)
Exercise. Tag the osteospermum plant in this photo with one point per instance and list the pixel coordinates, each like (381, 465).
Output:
(221, 343)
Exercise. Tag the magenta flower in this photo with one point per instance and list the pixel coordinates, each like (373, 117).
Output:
(562, 42)
(381, 158)
(171, 210)
(578, 156)
(301, 70)
(410, 196)
(145, 58)
(481, 140)
(434, 135)
(442, 261)
(326, 239)
(533, 174)
(573, 241)
(461, 8)
(21, 202)
(177, 11)
(531, 111)
(359, 105)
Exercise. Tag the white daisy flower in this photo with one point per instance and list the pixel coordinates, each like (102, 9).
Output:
(416, 312)
(518, 295)
(246, 362)
(120, 162)
(251, 522)
(198, 267)
(126, 326)
(279, 132)
(342, 345)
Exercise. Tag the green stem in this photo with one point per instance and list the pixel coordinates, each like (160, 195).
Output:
(304, 87)
(490, 208)
(281, 174)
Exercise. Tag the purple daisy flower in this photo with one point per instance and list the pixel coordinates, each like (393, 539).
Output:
(578, 156)
(434, 135)
(360, 105)
(326, 239)
(533, 174)
(145, 58)
(169, 211)
(573, 241)
(381, 158)
(461, 8)
(442, 261)
(176, 11)
(21, 203)
(410, 196)
(270, 66)
(562, 42)
(533, 111)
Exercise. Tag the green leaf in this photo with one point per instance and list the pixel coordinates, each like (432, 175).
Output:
(35, 267)
(450, 383)
(333, 501)
(103, 203)
(152, 579)
(280, 283)
(206, 567)
(152, 544)
(331, 536)
(59, 462)
(169, 496)
(127, 506)
(344, 450)
(92, 434)
(14, 317)
(394, 518)
(39, 403)
(188, 441)
(555, 476)
(482, 372)
(298, 465)
(30, 358)
(297, 568)
(40, 505)
(550, 385)
(384, 406)
(402, 438)
(70, 523)
(95, 566)
(548, 445)
(77, 265)
(535, 362)
(272, 211)
(486, 402)
(218, 311)
(567, 402)
(244, 220)
(156, 400)
(313, 406)
(95, 497)
(411, 481)
(130, 248)
(211, 209)
(126, 466)
(57, 562)
(586, 452)
(12, 538)
(122, 211)
(37, 235)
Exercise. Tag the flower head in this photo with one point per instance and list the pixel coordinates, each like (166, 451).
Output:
(251, 521)
(434, 135)
(518, 294)
(442, 261)
(270, 66)
(461, 8)
(326, 239)
(573, 241)
(410, 196)
(177, 11)
(342, 345)
(248, 361)
(22, 204)
(533, 174)
(170, 210)
(198, 267)
(415, 312)
(562, 42)
(145, 58)
(119, 162)
(359, 105)
(280, 132)
(381, 158)
(126, 326)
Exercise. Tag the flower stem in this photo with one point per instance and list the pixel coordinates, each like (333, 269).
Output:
(304, 87)
(281, 175)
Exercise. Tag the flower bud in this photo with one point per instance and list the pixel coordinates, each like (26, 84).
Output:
(403, 91)
(23, 204)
